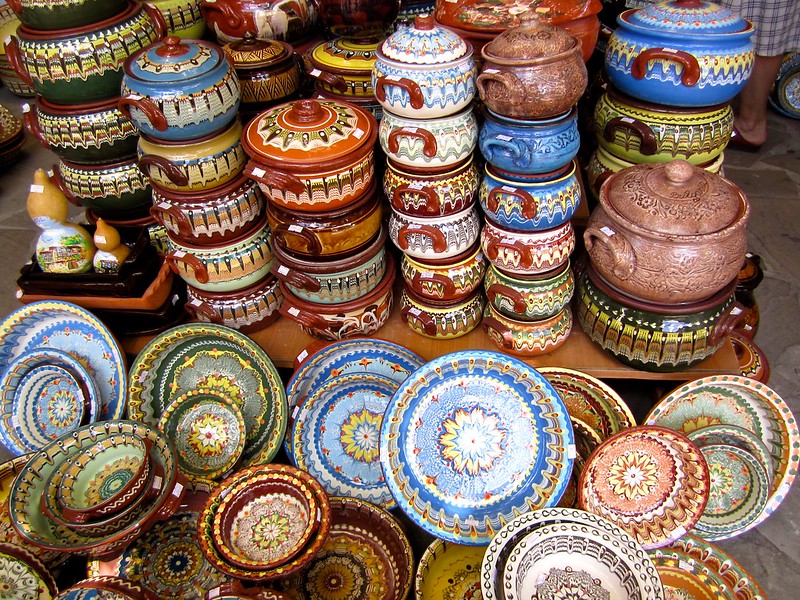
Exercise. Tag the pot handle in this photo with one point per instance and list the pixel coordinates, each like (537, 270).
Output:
(330, 79)
(313, 245)
(160, 23)
(273, 178)
(434, 233)
(157, 211)
(55, 178)
(295, 278)
(228, 12)
(309, 319)
(448, 287)
(505, 143)
(409, 85)
(429, 145)
(170, 169)
(648, 145)
(195, 307)
(498, 289)
(493, 248)
(529, 206)
(503, 333)
(412, 312)
(732, 318)
(622, 253)
(432, 206)
(31, 122)
(15, 60)
(510, 83)
(190, 260)
(691, 68)
(151, 111)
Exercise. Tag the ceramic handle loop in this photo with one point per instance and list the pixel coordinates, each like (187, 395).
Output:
(228, 12)
(435, 234)
(432, 206)
(280, 180)
(309, 319)
(428, 323)
(312, 243)
(504, 291)
(622, 254)
(519, 153)
(447, 285)
(334, 81)
(409, 85)
(159, 22)
(529, 206)
(691, 68)
(648, 145)
(157, 211)
(503, 333)
(429, 145)
(295, 278)
(169, 168)
(30, 118)
(733, 317)
(494, 246)
(200, 271)
(15, 5)
(196, 308)
(147, 107)
(14, 59)
(511, 84)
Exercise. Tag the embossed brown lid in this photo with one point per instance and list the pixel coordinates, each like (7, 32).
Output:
(530, 39)
(673, 198)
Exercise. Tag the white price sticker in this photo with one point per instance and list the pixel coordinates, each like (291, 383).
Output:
(293, 311)
(572, 452)
(415, 185)
(627, 120)
(258, 172)
(608, 231)
(295, 228)
(504, 138)
(315, 72)
(283, 270)
(492, 71)
(179, 254)
(508, 188)
(37, 189)
(359, 133)
(99, 238)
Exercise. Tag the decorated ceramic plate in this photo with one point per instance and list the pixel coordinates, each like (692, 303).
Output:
(23, 575)
(203, 355)
(335, 436)
(745, 403)
(108, 587)
(471, 439)
(651, 481)
(76, 331)
(449, 571)
(586, 441)
(590, 400)
(732, 435)
(682, 582)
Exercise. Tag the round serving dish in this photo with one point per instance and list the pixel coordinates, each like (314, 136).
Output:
(441, 320)
(528, 338)
(527, 253)
(529, 298)
(447, 280)
(25, 573)
(445, 566)
(435, 238)
(247, 310)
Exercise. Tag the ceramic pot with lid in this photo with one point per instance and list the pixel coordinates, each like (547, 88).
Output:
(247, 310)
(668, 233)
(424, 71)
(529, 298)
(445, 280)
(183, 18)
(343, 66)
(693, 52)
(180, 89)
(441, 320)
(532, 71)
(528, 338)
(312, 155)
(230, 20)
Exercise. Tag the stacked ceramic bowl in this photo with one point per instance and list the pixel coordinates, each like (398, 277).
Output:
(531, 79)
(183, 17)
(315, 162)
(424, 77)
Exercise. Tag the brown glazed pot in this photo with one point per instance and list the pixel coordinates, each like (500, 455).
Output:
(527, 338)
(247, 310)
(668, 233)
(447, 280)
(441, 320)
(530, 252)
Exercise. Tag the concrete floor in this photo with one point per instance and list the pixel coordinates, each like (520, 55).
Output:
(771, 179)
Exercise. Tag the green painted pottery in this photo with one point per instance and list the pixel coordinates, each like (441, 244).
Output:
(183, 17)
(64, 14)
(654, 337)
(528, 338)
(529, 298)
(441, 320)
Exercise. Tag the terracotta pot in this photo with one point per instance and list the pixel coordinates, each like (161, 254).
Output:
(528, 253)
(532, 71)
(199, 165)
(209, 217)
(442, 320)
(358, 19)
(312, 155)
(448, 280)
(183, 18)
(528, 338)
(84, 64)
(230, 20)
(435, 238)
(668, 233)
(531, 298)
(247, 310)
(343, 66)
(327, 235)
(65, 14)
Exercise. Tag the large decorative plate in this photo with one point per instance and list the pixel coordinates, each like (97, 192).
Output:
(732, 435)
(471, 439)
(74, 330)
(745, 403)
(682, 582)
(24, 576)
(203, 355)
(335, 436)
(586, 441)
(449, 571)
(651, 481)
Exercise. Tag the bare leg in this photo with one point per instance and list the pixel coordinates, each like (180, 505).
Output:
(751, 114)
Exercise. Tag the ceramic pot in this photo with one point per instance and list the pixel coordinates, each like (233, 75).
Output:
(529, 205)
(233, 266)
(532, 71)
(424, 71)
(179, 90)
(312, 155)
(327, 235)
(677, 50)
(641, 132)
(86, 134)
(199, 165)
(448, 280)
(528, 338)
(247, 310)
(8, 76)
(436, 144)
(345, 320)
(343, 66)
(750, 276)
(44, 15)
(531, 298)
(530, 252)
(333, 281)
(117, 190)
(371, 105)
(183, 18)
(420, 193)
(649, 336)
(230, 20)
(530, 146)
(209, 218)
(83, 64)
(444, 320)
(435, 238)
(668, 233)
(357, 19)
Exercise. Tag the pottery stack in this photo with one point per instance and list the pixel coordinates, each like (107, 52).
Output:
(531, 80)
(9, 78)
(424, 78)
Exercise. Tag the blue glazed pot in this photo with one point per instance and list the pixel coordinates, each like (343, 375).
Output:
(180, 89)
(681, 53)
(529, 147)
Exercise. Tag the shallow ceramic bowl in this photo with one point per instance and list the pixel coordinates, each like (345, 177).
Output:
(435, 238)
(527, 253)
(441, 320)
(445, 280)
(529, 298)
(443, 562)
(528, 338)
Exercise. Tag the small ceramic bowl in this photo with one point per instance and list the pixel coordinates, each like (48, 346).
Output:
(530, 298)
(528, 253)
(247, 310)
(528, 338)
(446, 280)
(443, 320)
(435, 238)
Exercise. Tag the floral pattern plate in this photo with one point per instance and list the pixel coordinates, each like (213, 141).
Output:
(471, 439)
(745, 403)
(449, 571)
(23, 575)
(203, 355)
(335, 436)
(732, 435)
(74, 330)
(651, 481)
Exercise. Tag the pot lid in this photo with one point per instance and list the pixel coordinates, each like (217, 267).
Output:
(686, 16)
(344, 54)
(424, 43)
(252, 53)
(309, 132)
(174, 60)
(531, 39)
(673, 198)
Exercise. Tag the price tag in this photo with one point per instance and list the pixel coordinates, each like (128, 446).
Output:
(315, 72)
(293, 311)
(295, 410)
(628, 120)
(99, 238)
(415, 185)
(410, 129)
(508, 188)
(684, 565)
(195, 302)
(393, 78)
(414, 311)
(295, 228)
(572, 452)
(37, 189)
(26, 108)
(19, 293)
(492, 71)
(283, 270)
(413, 226)
(359, 133)
(135, 96)
(302, 356)
(504, 138)
(179, 253)
(163, 205)
(211, 594)
(670, 50)
(608, 231)
(259, 172)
